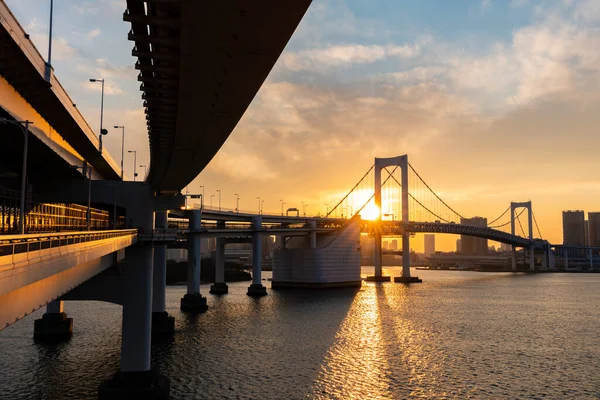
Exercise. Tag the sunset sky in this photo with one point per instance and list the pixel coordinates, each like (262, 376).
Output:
(493, 101)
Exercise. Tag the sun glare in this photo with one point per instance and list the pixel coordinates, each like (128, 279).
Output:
(370, 212)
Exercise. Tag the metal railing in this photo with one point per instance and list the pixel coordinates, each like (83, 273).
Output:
(16, 244)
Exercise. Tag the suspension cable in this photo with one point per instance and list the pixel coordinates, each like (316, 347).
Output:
(521, 226)
(434, 193)
(500, 216)
(421, 204)
(503, 225)
(351, 190)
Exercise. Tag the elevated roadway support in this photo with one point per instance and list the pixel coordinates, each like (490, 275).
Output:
(256, 289)
(162, 323)
(193, 301)
(320, 261)
(54, 324)
(135, 379)
(219, 287)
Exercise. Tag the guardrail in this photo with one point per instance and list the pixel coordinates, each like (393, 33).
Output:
(16, 244)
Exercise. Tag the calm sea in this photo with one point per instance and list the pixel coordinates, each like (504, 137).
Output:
(457, 335)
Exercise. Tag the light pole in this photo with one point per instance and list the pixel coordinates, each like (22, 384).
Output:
(262, 205)
(134, 162)
(86, 169)
(219, 191)
(122, 147)
(202, 199)
(258, 204)
(237, 203)
(303, 208)
(102, 131)
(211, 197)
(145, 170)
(25, 130)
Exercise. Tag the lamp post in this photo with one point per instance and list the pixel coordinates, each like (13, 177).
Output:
(303, 208)
(145, 170)
(202, 199)
(262, 205)
(237, 203)
(258, 204)
(134, 162)
(211, 197)
(219, 191)
(122, 147)
(102, 131)
(25, 130)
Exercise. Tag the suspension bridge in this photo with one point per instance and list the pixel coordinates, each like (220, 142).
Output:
(393, 199)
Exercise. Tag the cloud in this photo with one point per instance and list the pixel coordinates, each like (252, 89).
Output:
(486, 5)
(343, 56)
(92, 34)
(110, 88)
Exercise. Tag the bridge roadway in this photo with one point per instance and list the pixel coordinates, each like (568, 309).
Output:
(367, 226)
(36, 269)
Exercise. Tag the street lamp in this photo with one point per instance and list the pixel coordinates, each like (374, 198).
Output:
(202, 199)
(303, 208)
(134, 162)
(262, 206)
(122, 147)
(86, 169)
(25, 130)
(237, 203)
(219, 191)
(102, 131)
(145, 170)
(211, 197)
(258, 204)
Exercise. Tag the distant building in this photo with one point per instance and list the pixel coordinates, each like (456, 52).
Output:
(429, 245)
(573, 228)
(458, 246)
(394, 245)
(471, 245)
(505, 247)
(385, 245)
(594, 228)
(586, 230)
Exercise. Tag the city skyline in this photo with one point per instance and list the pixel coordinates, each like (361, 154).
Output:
(496, 111)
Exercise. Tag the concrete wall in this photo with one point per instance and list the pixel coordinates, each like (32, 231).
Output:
(334, 262)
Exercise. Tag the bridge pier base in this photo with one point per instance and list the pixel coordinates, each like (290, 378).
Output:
(256, 289)
(54, 324)
(219, 287)
(135, 379)
(193, 301)
(162, 323)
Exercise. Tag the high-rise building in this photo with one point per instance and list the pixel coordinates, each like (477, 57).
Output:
(471, 245)
(458, 246)
(394, 245)
(594, 228)
(573, 228)
(505, 247)
(429, 245)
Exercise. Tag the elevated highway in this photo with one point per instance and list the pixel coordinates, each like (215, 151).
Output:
(29, 90)
(201, 64)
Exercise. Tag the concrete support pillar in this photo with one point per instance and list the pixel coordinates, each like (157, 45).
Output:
(513, 257)
(545, 259)
(531, 259)
(591, 259)
(313, 234)
(256, 288)
(219, 287)
(54, 324)
(135, 379)
(566, 257)
(162, 323)
(193, 300)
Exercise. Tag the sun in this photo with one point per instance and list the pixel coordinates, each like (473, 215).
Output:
(370, 212)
